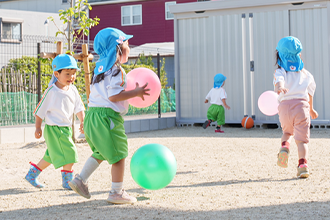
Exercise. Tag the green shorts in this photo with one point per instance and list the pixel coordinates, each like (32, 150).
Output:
(105, 134)
(61, 149)
(216, 113)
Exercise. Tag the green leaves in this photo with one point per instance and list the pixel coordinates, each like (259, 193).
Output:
(146, 62)
(27, 65)
(77, 16)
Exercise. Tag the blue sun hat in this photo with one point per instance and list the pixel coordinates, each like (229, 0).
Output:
(289, 49)
(105, 43)
(60, 62)
(218, 80)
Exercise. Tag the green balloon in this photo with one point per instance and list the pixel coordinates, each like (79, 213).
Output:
(153, 166)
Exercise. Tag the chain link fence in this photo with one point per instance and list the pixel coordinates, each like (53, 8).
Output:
(20, 67)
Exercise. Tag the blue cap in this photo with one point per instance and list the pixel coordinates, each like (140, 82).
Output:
(289, 49)
(64, 61)
(218, 80)
(105, 43)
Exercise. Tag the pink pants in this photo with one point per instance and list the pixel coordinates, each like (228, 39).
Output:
(295, 118)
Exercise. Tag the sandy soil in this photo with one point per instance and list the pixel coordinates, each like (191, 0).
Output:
(220, 176)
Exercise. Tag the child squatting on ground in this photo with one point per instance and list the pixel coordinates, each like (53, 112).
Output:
(217, 97)
(104, 125)
(57, 106)
(296, 87)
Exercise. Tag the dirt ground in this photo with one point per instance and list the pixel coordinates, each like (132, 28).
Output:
(219, 176)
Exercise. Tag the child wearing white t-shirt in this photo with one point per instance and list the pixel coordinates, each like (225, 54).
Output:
(57, 106)
(296, 87)
(104, 124)
(217, 96)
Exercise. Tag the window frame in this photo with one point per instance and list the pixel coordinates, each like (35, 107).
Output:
(131, 15)
(11, 21)
(167, 9)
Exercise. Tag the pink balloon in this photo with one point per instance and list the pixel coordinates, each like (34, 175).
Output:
(268, 103)
(142, 76)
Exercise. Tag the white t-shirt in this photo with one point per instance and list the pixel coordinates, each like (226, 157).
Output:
(299, 84)
(215, 95)
(57, 106)
(110, 86)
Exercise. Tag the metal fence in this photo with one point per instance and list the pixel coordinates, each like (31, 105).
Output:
(20, 67)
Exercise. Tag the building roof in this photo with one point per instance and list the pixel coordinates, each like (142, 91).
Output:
(201, 7)
(164, 49)
(104, 2)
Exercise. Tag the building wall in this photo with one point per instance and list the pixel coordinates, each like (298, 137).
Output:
(33, 28)
(52, 6)
(154, 29)
(34, 23)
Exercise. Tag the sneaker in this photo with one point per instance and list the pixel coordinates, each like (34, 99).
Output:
(120, 198)
(206, 124)
(219, 131)
(303, 171)
(283, 157)
(78, 185)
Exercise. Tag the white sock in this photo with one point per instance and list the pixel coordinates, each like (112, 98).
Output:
(90, 166)
(116, 186)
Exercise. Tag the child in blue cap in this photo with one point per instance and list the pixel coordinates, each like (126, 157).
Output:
(104, 125)
(296, 87)
(217, 97)
(57, 106)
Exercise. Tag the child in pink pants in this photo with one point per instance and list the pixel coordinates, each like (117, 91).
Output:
(296, 87)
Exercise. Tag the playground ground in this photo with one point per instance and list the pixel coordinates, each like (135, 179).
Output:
(219, 176)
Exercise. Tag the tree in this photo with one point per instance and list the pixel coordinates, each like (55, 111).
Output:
(82, 23)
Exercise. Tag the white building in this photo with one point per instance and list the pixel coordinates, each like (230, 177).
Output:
(52, 6)
(238, 38)
(23, 23)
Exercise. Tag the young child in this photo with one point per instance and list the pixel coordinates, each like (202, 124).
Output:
(296, 87)
(57, 106)
(217, 97)
(104, 125)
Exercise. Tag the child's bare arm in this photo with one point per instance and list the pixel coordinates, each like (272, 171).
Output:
(225, 104)
(312, 112)
(206, 101)
(124, 95)
(38, 131)
(81, 116)
(279, 87)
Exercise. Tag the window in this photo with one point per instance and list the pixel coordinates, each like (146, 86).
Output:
(131, 15)
(64, 1)
(11, 30)
(168, 14)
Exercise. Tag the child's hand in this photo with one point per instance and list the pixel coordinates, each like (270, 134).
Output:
(314, 114)
(206, 101)
(282, 89)
(141, 91)
(81, 128)
(227, 107)
(38, 133)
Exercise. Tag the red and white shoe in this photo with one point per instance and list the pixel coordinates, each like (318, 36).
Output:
(303, 171)
(219, 131)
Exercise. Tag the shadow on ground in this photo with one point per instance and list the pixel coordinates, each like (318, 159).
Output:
(230, 132)
(100, 209)
(33, 145)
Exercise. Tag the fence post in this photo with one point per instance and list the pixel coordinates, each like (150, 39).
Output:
(158, 71)
(39, 73)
